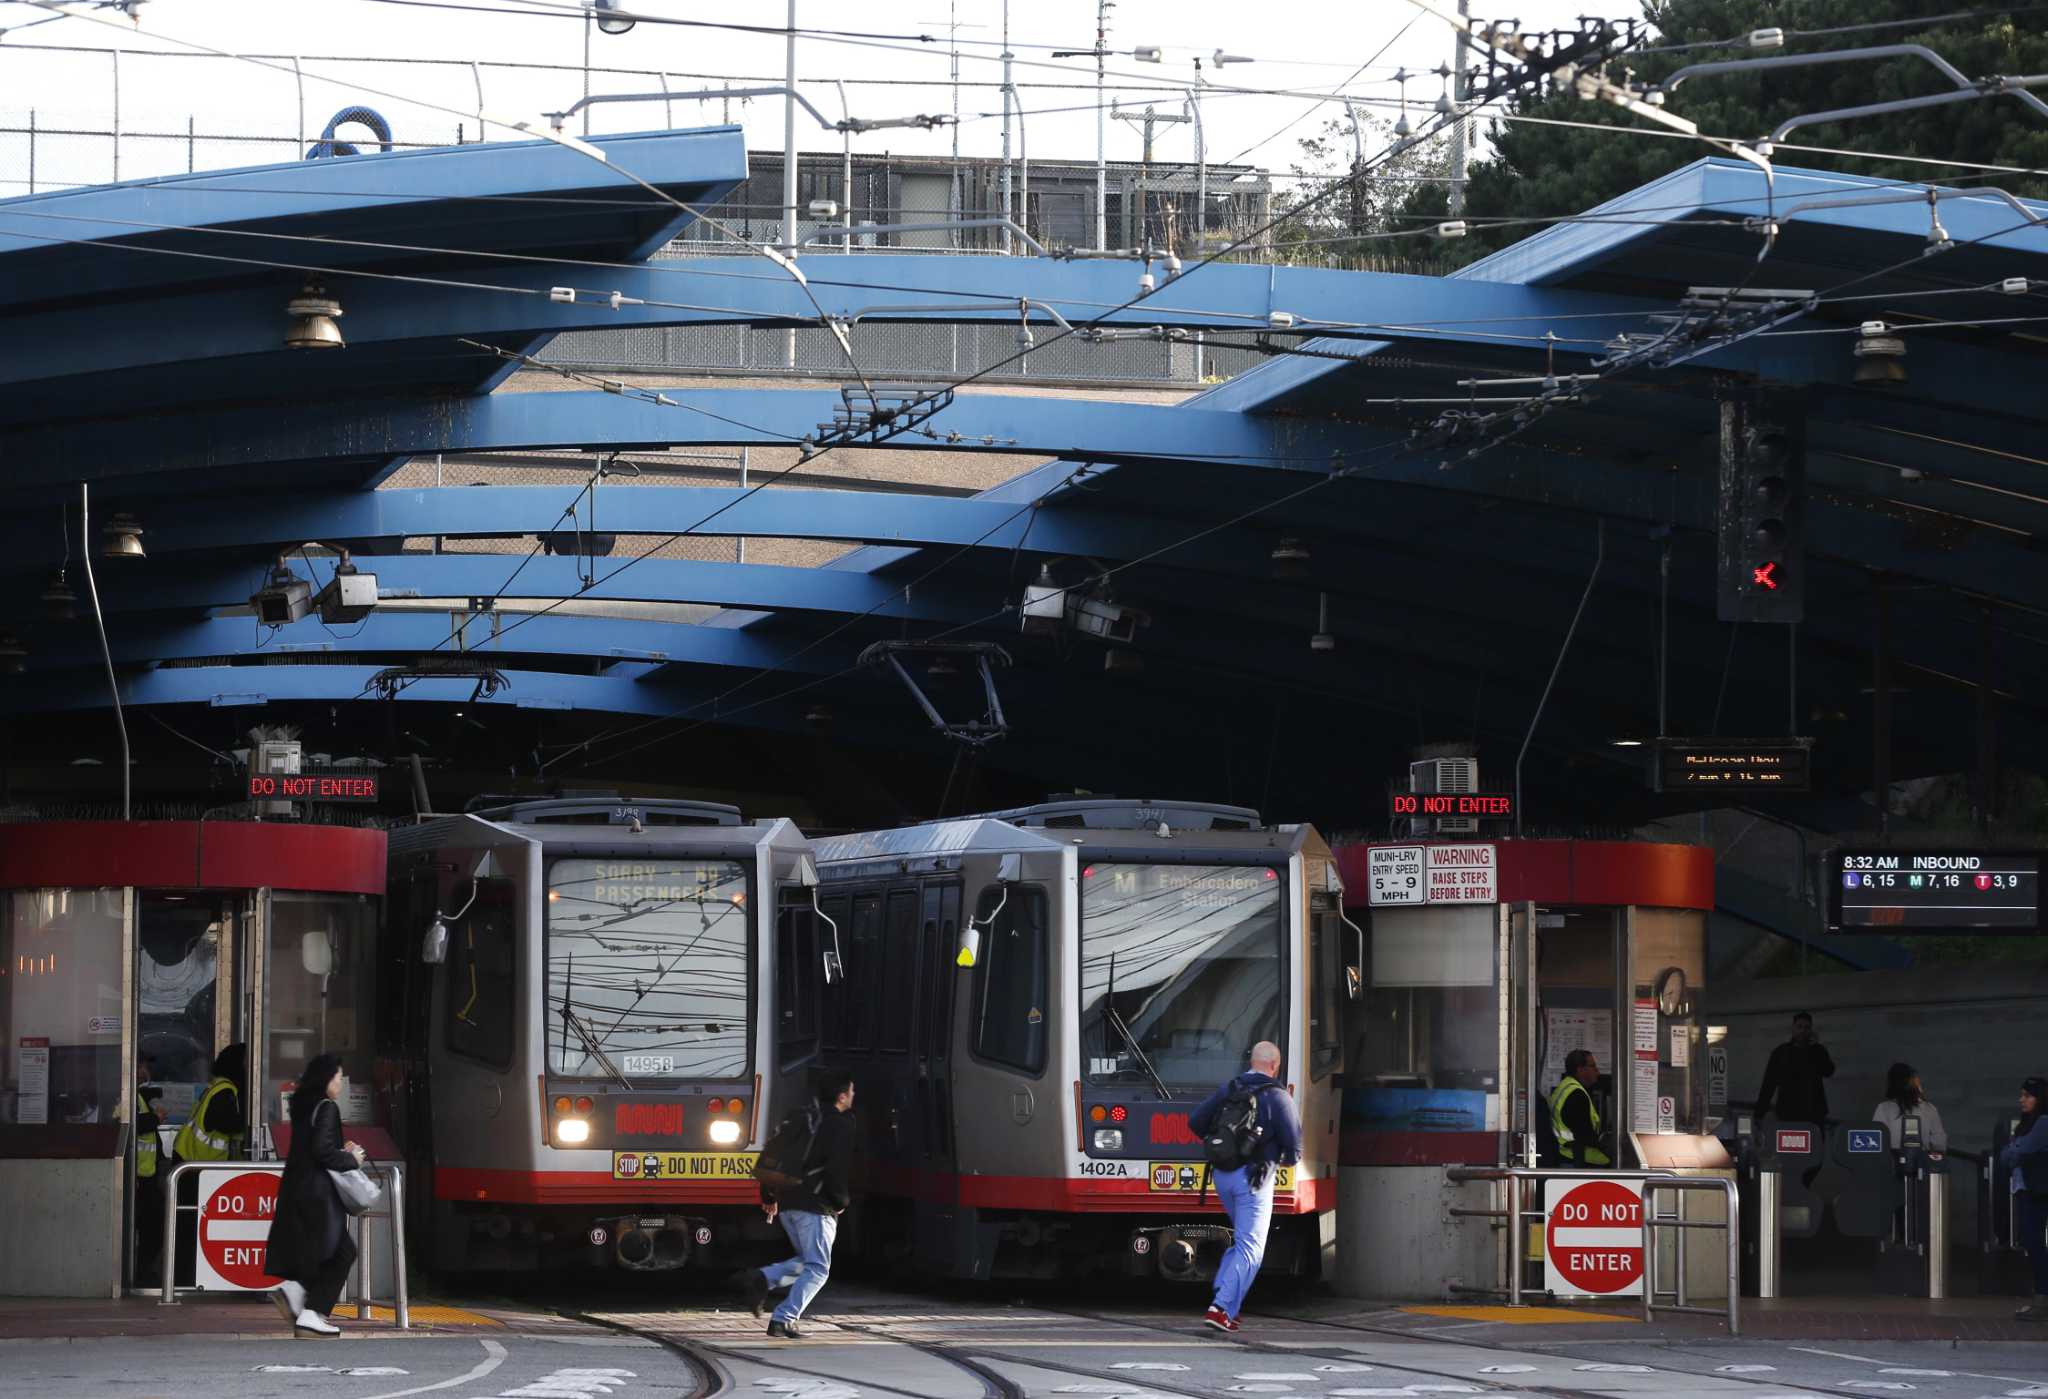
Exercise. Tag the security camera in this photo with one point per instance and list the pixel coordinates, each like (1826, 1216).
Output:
(348, 597)
(283, 600)
(1109, 620)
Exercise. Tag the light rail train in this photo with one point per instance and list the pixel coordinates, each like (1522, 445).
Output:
(1035, 999)
(572, 1028)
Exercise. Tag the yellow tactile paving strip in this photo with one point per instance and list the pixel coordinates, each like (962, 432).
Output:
(424, 1316)
(1520, 1316)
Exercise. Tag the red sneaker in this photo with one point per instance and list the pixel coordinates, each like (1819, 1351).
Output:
(1220, 1319)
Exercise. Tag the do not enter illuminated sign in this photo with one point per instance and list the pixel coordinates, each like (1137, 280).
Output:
(1593, 1238)
(313, 787)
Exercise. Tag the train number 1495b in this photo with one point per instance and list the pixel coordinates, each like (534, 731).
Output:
(648, 1064)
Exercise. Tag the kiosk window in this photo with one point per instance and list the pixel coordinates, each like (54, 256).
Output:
(1010, 980)
(1427, 1052)
(482, 962)
(60, 1007)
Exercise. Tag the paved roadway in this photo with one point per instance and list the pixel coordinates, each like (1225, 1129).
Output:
(618, 1342)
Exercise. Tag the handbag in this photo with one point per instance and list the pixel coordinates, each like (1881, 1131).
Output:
(358, 1193)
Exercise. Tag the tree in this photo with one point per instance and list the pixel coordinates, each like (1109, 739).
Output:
(1538, 172)
(1335, 227)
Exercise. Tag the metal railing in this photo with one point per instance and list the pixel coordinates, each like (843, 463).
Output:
(1654, 1224)
(1516, 1216)
(392, 1208)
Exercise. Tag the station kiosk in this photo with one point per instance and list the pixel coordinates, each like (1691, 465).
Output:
(132, 955)
(1487, 963)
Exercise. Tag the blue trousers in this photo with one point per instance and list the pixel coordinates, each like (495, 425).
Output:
(1251, 1213)
(811, 1236)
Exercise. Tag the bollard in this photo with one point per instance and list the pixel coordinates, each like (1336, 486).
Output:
(1768, 1227)
(1937, 1235)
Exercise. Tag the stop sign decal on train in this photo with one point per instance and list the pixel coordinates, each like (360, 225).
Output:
(1593, 1238)
(235, 1209)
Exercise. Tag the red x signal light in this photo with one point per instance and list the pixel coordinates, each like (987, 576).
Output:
(1765, 576)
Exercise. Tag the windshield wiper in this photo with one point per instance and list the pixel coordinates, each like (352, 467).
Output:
(591, 1047)
(1110, 1017)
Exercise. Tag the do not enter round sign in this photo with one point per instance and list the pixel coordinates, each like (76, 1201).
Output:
(1593, 1237)
(235, 1210)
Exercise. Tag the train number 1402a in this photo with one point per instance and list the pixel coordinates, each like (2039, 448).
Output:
(648, 1064)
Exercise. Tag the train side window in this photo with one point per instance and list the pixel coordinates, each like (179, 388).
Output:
(1325, 996)
(796, 986)
(897, 970)
(482, 1005)
(1010, 979)
(865, 973)
(939, 968)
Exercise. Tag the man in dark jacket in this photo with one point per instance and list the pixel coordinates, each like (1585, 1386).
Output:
(810, 1212)
(1793, 1078)
(1246, 1193)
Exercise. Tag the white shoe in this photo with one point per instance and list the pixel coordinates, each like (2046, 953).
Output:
(318, 1325)
(290, 1299)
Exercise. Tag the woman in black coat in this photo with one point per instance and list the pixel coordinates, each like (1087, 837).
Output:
(309, 1243)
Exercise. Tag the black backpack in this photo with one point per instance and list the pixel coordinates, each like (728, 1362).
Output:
(1233, 1138)
(785, 1163)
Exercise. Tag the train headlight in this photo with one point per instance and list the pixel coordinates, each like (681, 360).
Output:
(725, 1132)
(1109, 1139)
(571, 1132)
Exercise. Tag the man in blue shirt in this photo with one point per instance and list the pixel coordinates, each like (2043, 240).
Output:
(1246, 1192)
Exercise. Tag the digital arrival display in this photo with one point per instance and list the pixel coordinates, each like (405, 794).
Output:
(1934, 891)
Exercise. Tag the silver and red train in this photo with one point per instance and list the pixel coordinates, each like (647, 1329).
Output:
(579, 1042)
(1034, 1001)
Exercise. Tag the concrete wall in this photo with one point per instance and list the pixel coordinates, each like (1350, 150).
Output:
(60, 1233)
(1972, 1030)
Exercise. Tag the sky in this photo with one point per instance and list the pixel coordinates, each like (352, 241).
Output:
(438, 52)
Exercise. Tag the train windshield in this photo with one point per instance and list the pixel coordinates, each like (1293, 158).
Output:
(647, 969)
(1180, 970)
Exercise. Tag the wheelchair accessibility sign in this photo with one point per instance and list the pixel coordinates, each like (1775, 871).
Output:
(1866, 1142)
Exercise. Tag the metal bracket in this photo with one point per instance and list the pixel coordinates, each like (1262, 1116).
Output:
(986, 655)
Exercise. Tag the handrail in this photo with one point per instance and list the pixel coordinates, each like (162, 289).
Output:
(393, 1209)
(1652, 1181)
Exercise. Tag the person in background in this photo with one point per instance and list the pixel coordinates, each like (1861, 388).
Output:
(1903, 1099)
(1246, 1192)
(809, 1212)
(149, 1185)
(309, 1244)
(2026, 1155)
(217, 1131)
(1793, 1077)
(1575, 1117)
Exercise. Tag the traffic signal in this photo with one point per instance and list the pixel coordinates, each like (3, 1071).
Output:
(1761, 548)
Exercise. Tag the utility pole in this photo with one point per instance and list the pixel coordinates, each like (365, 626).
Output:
(1460, 137)
(1101, 124)
(1100, 53)
(789, 238)
(1008, 92)
(1147, 119)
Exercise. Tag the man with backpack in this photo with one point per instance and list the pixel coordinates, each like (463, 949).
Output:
(1248, 1126)
(804, 1175)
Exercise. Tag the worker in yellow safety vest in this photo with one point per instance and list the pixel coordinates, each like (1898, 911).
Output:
(1575, 1117)
(214, 1132)
(217, 1124)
